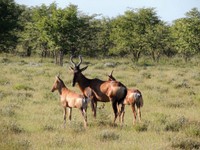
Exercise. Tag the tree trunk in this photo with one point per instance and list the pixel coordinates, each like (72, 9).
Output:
(56, 57)
(61, 57)
(28, 52)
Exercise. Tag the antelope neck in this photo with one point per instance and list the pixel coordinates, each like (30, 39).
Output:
(83, 82)
(61, 89)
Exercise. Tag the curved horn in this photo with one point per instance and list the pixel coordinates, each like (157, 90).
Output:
(111, 73)
(111, 77)
(71, 59)
(58, 76)
(80, 58)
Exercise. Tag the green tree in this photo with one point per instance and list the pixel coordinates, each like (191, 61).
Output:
(33, 36)
(9, 17)
(26, 34)
(158, 40)
(129, 32)
(52, 30)
(63, 29)
(103, 37)
(96, 41)
(186, 32)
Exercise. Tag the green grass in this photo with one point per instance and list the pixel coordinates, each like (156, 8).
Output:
(31, 117)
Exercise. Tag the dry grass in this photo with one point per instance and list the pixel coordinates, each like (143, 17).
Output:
(31, 116)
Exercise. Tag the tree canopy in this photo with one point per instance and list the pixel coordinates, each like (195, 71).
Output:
(50, 31)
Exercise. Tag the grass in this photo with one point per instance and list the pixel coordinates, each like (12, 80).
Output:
(31, 116)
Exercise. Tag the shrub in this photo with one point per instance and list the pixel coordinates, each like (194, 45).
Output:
(49, 96)
(146, 75)
(23, 62)
(48, 127)
(193, 129)
(186, 143)
(77, 127)
(175, 125)
(103, 117)
(59, 141)
(141, 127)
(158, 122)
(23, 87)
(107, 135)
(13, 127)
(5, 60)
(183, 84)
(24, 144)
(8, 111)
(4, 81)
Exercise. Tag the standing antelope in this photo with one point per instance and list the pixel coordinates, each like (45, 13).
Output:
(98, 90)
(133, 98)
(70, 99)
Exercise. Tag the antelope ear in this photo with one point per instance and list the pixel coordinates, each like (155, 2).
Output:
(58, 77)
(83, 68)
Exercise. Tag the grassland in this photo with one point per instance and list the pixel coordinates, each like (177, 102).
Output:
(31, 116)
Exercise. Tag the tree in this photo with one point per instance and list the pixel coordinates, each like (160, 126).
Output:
(158, 40)
(63, 29)
(9, 16)
(129, 32)
(103, 36)
(51, 29)
(186, 32)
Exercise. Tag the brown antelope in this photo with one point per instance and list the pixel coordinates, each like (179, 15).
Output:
(69, 99)
(98, 90)
(133, 98)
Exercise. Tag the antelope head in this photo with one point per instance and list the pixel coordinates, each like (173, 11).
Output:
(56, 84)
(110, 77)
(76, 69)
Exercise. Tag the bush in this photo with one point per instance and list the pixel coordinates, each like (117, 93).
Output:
(175, 125)
(193, 129)
(8, 111)
(103, 117)
(107, 135)
(13, 127)
(186, 143)
(23, 87)
(48, 127)
(5, 60)
(141, 127)
(77, 127)
(24, 144)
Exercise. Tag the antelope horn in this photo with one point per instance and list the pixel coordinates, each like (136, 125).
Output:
(80, 58)
(111, 73)
(58, 75)
(73, 63)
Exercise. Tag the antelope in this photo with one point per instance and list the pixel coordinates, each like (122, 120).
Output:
(69, 99)
(98, 90)
(133, 98)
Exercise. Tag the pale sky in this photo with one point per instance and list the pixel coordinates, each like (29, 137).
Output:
(167, 10)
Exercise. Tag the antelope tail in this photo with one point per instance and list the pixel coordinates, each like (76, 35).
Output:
(138, 98)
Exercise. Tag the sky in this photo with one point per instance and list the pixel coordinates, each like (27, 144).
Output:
(167, 10)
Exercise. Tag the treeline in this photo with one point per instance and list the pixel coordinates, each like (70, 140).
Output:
(51, 31)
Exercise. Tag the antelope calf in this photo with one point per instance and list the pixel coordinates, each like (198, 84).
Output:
(70, 99)
(133, 98)
(98, 90)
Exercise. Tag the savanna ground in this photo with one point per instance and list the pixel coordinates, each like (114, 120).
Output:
(31, 116)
